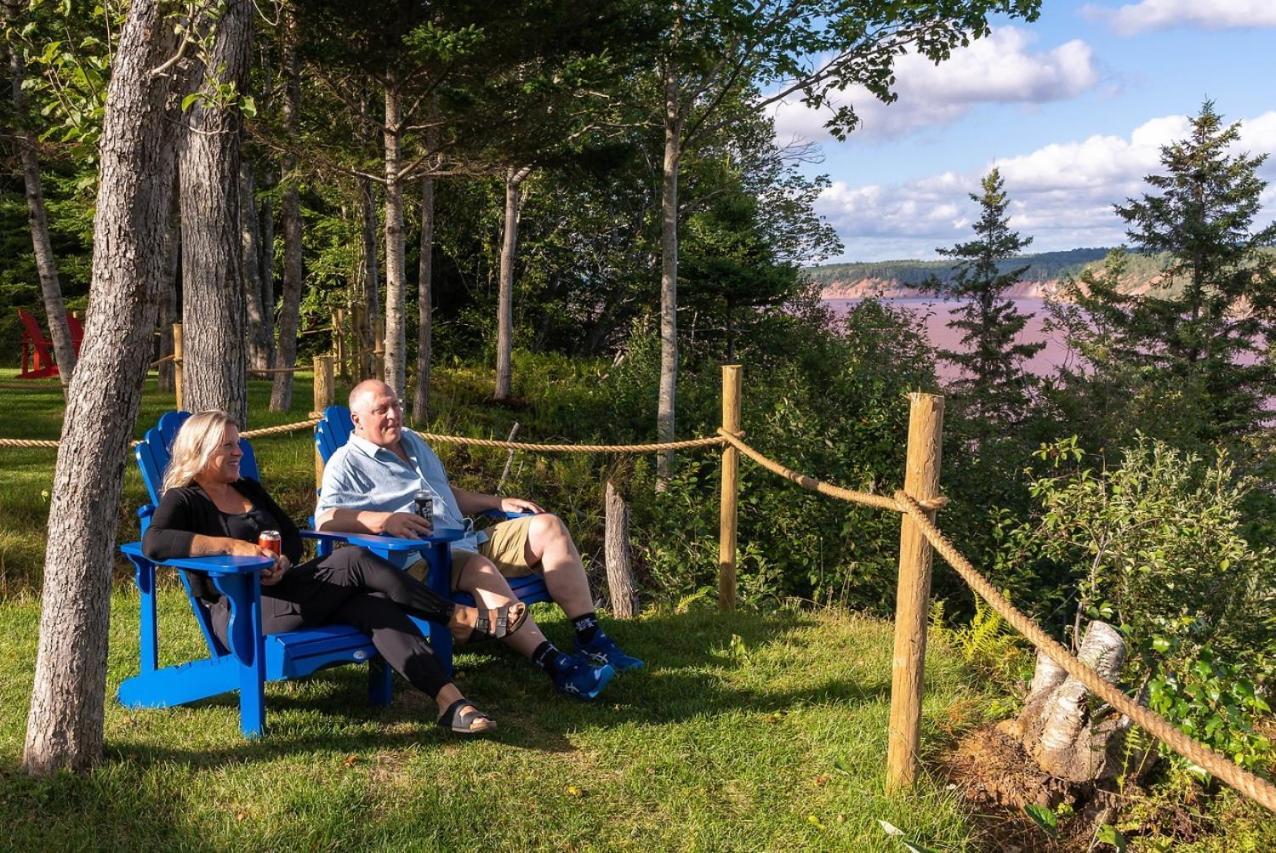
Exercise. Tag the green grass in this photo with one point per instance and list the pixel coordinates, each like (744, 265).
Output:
(746, 732)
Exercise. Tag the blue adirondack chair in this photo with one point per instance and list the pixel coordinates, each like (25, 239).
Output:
(248, 659)
(331, 433)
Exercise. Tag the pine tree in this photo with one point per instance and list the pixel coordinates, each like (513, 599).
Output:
(993, 384)
(1201, 331)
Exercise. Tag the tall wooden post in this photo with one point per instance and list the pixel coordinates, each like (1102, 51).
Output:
(921, 481)
(727, 509)
(178, 369)
(322, 400)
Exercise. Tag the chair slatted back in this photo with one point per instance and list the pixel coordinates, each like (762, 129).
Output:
(333, 431)
(152, 455)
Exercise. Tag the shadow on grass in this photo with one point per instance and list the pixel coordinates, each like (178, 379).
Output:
(691, 674)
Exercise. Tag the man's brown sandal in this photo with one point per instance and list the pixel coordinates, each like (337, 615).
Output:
(462, 718)
(496, 622)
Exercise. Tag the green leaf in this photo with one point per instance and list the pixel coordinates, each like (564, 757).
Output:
(188, 100)
(1044, 818)
(1109, 834)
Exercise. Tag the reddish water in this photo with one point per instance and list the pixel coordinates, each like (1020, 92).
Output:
(938, 312)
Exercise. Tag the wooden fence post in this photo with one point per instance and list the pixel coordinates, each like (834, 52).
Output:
(727, 510)
(178, 370)
(620, 573)
(322, 400)
(921, 481)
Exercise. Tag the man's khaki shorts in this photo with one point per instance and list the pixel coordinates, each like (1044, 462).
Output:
(506, 547)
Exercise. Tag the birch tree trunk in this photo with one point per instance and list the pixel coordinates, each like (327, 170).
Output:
(505, 294)
(45, 263)
(250, 253)
(290, 220)
(424, 305)
(371, 274)
(214, 357)
(395, 269)
(135, 185)
(669, 272)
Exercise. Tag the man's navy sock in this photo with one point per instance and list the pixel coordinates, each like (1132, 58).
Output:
(586, 629)
(550, 659)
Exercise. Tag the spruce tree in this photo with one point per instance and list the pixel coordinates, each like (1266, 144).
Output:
(993, 384)
(1201, 331)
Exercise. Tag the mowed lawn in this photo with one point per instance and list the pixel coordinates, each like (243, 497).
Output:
(746, 732)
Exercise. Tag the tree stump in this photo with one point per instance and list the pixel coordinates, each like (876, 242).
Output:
(1057, 728)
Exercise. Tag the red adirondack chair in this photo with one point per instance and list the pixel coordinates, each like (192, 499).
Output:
(37, 350)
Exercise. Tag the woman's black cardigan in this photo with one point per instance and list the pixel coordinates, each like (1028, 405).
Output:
(188, 510)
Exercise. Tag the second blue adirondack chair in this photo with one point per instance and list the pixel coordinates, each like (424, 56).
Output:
(248, 659)
(332, 432)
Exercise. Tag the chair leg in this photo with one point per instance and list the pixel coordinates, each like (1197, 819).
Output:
(380, 682)
(243, 633)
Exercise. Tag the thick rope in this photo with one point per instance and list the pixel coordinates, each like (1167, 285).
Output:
(573, 448)
(275, 430)
(1257, 789)
(28, 442)
(450, 439)
(813, 485)
(268, 370)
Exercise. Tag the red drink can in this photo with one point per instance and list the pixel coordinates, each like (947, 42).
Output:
(270, 540)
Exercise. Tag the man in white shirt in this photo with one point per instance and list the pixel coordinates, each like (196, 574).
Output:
(369, 486)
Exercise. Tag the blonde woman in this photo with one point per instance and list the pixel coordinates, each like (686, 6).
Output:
(207, 508)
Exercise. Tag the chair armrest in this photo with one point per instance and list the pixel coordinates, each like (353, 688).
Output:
(388, 543)
(219, 565)
(502, 515)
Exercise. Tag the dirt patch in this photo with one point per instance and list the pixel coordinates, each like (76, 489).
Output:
(997, 778)
(992, 769)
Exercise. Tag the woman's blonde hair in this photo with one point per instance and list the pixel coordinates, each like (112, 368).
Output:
(196, 442)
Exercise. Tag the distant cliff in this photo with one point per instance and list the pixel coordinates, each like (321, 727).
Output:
(895, 279)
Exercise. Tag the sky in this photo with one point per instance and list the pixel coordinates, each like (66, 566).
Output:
(1072, 108)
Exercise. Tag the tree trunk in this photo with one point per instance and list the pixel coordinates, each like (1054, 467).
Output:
(290, 219)
(505, 295)
(135, 183)
(250, 252)
(620, 573)
(669, 273)
(395, 269)
(266, 263)
(424, 305)
(212, 273)
(167, 308)
(371, 284)
(45, 263)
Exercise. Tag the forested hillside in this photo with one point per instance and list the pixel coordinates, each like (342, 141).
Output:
(1041, 267)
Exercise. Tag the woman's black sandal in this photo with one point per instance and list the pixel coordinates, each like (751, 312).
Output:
(497, 622)
(470, 721)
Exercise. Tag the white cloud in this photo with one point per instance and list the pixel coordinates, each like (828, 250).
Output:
(1061, 194)
(999, 68)
(1210, 14)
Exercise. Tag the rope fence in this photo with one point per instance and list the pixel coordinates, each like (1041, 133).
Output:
(1249, 784)
(252, 433)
